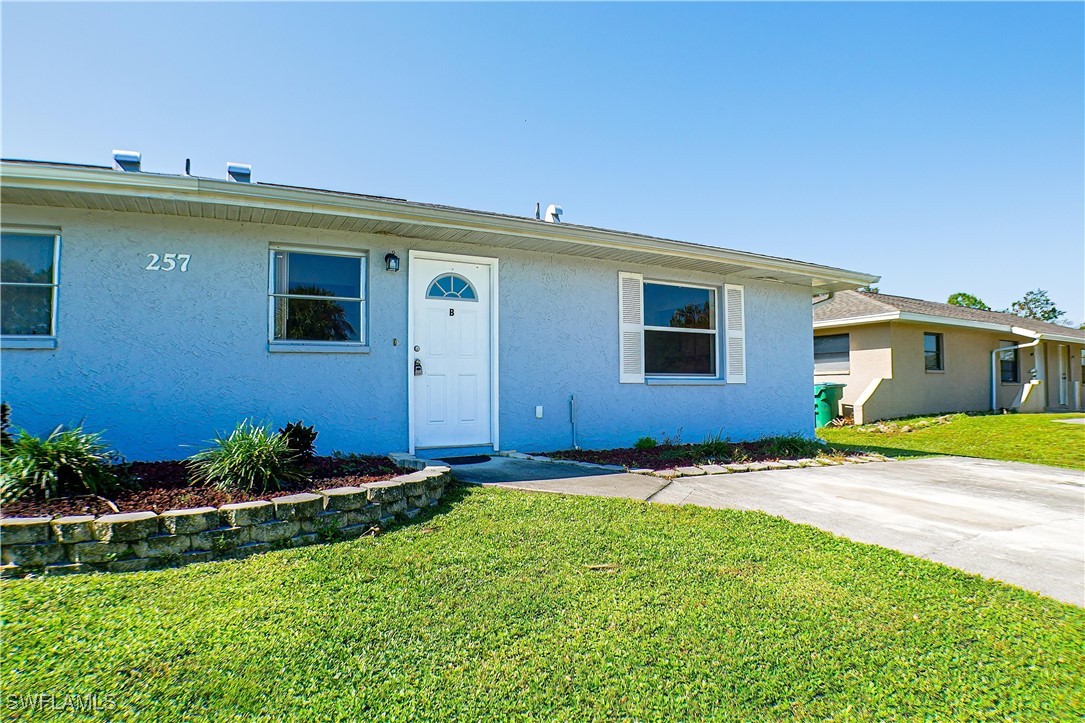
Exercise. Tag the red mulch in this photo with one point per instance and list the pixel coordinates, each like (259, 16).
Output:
(661, 457)
(161, 486)
(666, 456)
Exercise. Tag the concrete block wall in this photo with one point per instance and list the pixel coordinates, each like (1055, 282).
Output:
(133, 541)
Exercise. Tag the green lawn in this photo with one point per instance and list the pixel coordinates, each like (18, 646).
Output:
(1016, 437)
(489, 609)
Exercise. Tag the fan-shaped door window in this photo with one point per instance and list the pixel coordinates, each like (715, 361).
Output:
(451, 286)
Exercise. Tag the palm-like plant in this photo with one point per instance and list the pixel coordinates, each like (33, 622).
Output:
(251, 458)
(67, 462)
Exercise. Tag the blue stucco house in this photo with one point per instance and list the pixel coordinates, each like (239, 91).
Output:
(163, 308)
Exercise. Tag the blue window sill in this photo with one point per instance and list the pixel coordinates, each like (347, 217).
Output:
(680, 382)
(317, 348)
(45, 342)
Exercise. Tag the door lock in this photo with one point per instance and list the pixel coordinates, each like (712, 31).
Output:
(418, 367)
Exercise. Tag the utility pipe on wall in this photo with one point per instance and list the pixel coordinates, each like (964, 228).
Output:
(572, 418)
(994, 369)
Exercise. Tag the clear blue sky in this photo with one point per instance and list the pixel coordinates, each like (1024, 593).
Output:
(939, 145)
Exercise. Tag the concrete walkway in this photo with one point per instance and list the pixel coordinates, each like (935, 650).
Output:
(1021, 523)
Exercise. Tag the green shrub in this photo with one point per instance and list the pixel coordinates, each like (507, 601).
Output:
(714, 448)
(67, 462)
(251, 459)
(646, 443)
(791, 447)
(300, 439)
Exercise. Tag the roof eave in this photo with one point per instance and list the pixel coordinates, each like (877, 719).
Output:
(945, 321)
(213, 191)
(1061, 338)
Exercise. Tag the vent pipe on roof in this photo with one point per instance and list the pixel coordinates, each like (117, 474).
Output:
(538, 213)
(126, 160)
(553, 213)
(239, 172)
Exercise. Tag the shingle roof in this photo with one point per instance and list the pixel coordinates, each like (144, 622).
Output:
(855, 304)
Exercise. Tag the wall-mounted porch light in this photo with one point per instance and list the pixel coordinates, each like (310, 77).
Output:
(391, 262)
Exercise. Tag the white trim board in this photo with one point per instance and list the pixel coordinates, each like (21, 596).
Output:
(943, 321)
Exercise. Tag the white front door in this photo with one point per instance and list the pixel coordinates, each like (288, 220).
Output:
(451, 350)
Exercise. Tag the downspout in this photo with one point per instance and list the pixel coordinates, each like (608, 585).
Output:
(994, 368)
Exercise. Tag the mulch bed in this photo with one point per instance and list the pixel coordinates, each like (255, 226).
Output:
(161, 486)
(664, 456)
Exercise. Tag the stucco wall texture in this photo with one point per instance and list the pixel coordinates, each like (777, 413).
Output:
(163, 360)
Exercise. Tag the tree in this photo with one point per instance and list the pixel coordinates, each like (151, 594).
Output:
(1037, 305)
(967, 300)
(314, 319)
(691, 316)
(870, 289)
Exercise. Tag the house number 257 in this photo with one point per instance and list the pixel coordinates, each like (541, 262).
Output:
(168, 262)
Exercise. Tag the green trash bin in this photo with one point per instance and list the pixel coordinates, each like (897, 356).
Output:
(827, 398)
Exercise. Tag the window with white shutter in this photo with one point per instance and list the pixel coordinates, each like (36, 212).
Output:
(670, 330)
(735, 339)
(631, 327)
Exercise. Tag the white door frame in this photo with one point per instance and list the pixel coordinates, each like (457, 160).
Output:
(494, 375)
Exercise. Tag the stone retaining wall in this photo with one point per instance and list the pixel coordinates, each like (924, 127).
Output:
(133, 541)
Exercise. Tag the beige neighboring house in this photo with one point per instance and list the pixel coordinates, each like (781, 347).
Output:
(901, 357)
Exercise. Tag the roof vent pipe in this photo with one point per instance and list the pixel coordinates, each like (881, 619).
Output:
(553, 213)
(239, 172)
(538, 213)
(126, 160)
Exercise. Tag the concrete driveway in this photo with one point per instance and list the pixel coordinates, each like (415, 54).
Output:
(1020, 523)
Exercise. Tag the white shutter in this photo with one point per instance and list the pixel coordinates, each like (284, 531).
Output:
(735, 337)
(631, 327)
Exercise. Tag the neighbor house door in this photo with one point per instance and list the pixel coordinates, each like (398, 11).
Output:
(452, 340)
(1064, 374)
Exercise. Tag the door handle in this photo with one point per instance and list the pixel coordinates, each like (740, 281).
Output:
(418, 367)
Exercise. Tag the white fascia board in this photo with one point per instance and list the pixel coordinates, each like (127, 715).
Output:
(205, 190)
(857, 320)
(1061, 338)
(1024, 332)
(967, 323)
(945, 321)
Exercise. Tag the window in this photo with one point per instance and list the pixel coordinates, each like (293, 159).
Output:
(832, 354)
(318, 297)
(451, 286)
(933, 358)
(1009, 363)
(671, 333)
(28, 284)
(679, 330)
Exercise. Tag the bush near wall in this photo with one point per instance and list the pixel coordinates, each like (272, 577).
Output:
(134, 541)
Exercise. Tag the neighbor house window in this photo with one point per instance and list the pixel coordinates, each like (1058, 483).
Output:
(1009, 363)
(679, 330)
(832, 354)
(28, 284)
(318, 297)
(933, 353)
